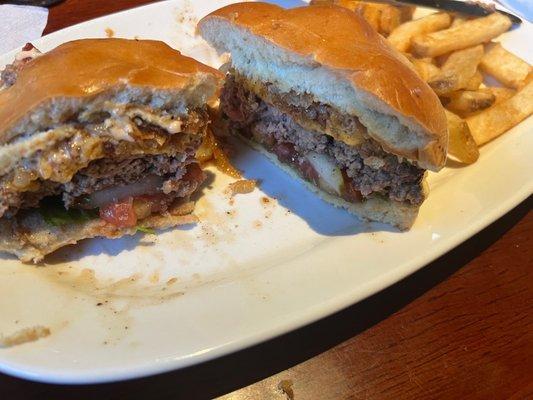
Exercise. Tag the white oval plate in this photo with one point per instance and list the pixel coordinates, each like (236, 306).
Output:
(254, 268)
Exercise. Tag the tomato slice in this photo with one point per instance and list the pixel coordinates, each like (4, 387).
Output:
(309, 172)
(285, 152)
(121, 214)
(151, 202)
(350, 192)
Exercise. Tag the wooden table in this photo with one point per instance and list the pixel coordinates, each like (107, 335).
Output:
(461, 328)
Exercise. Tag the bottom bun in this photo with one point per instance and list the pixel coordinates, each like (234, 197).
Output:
(30, 238)
(400, 215)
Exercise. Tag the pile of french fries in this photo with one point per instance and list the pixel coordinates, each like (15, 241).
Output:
(457, 56)
(382, 17)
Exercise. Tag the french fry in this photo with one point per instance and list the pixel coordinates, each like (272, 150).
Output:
(465, 102)
(468, 34)
(491, 123)
(461, 145)
(507, 68)
(425, 69)
(501, 93)
(391, 18)
(458, 20)
(475, 82)
(400, 38)
(407, 13)
(428, 60)
(457, 71)
(370, 12)
(383, 18)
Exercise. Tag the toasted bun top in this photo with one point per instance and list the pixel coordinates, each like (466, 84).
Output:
(84, 68)
(343, 47)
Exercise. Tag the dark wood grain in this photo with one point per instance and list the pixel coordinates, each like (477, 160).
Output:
(72, 12)
(461, 328)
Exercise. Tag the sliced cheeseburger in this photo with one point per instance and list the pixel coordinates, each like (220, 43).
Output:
(98, 138)
(324, 96)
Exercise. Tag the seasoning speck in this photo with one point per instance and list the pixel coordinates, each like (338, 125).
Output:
(242, 186)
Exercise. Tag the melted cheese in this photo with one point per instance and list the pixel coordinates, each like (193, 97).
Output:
(118, 127)
(11, 154)
(170, 124)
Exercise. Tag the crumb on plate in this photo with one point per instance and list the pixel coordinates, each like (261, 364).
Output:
(25, 335)
(242, 186)
(285, 386)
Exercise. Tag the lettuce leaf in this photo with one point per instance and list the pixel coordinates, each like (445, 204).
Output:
(54, 213)
(144, 229)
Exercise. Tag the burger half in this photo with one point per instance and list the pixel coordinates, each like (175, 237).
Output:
(98, 138)
(324, 96)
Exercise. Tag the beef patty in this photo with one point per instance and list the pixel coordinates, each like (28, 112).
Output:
(63, 163)
(107, 173)
(180, 174)
(367, 168)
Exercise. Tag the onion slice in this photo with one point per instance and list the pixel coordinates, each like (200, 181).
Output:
(149, 185)
(330, 175)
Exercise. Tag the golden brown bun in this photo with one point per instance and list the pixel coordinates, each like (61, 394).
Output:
(75, 72)
(336, 56)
